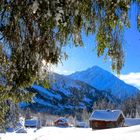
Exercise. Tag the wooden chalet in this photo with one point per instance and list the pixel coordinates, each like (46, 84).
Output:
(102, 119)
(61, 122)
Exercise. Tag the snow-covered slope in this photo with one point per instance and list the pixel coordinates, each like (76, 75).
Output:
(104, 80)
(71, 133)
(63, 84)
(66, 95)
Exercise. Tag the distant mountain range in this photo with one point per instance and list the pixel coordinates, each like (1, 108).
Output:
(104, 80)
(68, 94)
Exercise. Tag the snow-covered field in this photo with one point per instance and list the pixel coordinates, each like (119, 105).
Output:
(55, 133)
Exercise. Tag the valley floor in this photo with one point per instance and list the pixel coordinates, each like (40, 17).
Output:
(71, 133)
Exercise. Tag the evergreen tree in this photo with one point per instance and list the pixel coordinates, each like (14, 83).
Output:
(103, 104)
(33, 32)
(129, 107)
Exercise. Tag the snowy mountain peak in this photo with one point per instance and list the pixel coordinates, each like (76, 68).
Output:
(97, 68)
(104, 80)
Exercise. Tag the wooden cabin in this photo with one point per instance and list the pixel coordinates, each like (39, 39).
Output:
(61, 122)
(102, 119)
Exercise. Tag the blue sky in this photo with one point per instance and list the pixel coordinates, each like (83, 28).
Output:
(83, 58)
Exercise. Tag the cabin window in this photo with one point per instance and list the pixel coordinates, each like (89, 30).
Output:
(95, 124)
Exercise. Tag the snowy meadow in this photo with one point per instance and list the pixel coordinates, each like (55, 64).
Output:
(71, 133)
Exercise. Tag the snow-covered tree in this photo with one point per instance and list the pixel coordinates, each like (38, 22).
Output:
(128, 106)
(103, 104)
(33, 32)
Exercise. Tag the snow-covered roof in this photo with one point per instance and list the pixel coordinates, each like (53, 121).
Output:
(31, 122)
(62, 119)
(106, 115)
(132, 121)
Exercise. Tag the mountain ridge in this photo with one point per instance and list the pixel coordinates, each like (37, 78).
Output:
(104, 80)
(66, 95)
(71, 94)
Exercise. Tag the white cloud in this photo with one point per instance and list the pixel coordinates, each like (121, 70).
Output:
(65, 72)
(131, 78)
(60, 70)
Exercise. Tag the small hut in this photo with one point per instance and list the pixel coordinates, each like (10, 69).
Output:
(102, 119)
(61, 122)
